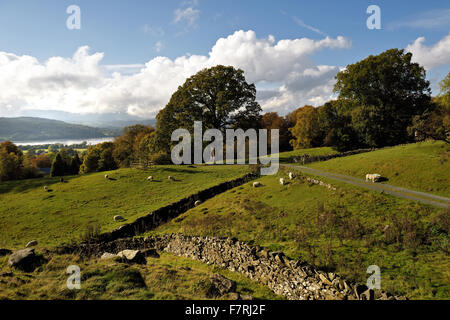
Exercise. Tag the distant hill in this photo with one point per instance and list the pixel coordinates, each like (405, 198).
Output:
(36, 129)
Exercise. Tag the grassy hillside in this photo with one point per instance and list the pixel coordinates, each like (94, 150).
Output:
(35, 129)
(64, 214)
(344, 231)
(285, 157)
(167, 277)
(421, 166)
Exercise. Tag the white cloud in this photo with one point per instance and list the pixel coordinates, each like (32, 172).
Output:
(188, 15)
(80, 84)
(432, 19)
(430, 56)
(159, 46)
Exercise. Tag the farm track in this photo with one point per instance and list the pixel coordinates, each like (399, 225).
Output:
(426, 198)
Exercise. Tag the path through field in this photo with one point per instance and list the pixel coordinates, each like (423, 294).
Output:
(400, 192)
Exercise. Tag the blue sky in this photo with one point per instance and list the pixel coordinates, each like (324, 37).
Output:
(135, 32)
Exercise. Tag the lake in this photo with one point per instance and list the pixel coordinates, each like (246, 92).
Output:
(64, 141)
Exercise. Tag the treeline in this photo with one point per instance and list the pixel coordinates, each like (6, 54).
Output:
(383, 100)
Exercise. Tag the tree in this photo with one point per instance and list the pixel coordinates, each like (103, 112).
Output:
(75, 164)
(126, 145)
(42, 161)
(389, 90)
(272, 120)
(307, 131)
(444, 97)
(58, 166)
(11, 159)
(99, 158)
(220, 97)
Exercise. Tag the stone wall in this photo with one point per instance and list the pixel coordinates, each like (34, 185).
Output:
(290, 278)
(304, 159)
(164, 214)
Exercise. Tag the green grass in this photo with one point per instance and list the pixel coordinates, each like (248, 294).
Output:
(167, 277)
(341, 230)
(421, 166)
(28, 212)
(285, 157)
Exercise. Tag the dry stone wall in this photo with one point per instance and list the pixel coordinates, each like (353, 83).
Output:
(290, 278)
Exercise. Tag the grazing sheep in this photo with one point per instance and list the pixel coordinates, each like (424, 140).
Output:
(197, 203)
(45, 188)
(282, 181)
(32, 243)
(106, 176)
(171, 178)
(150, 178)
(374, 177)
(256, 184)
(118, 218)
(291, 175)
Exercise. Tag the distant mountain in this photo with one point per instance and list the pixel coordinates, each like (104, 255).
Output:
(37, 129)
(105, 120)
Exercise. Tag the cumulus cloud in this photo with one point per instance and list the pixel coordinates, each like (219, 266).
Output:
(430, 56)
(81, 84)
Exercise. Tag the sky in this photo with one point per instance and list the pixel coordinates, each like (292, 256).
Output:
(128, 57)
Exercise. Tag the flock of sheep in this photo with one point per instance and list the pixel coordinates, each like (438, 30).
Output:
(282, 180)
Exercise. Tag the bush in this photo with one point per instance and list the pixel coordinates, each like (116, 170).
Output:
(161, 158)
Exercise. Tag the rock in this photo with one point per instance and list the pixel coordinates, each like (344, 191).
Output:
(235, 296)
(324, 280)
(6, 274)
(4, 252)
(220, 286)
(32, 243)
(107, 255)
(246, 297)
(359, 289)
(132, 256)
(25, 260)
(118, 218)
(367, 295)
(152, 253)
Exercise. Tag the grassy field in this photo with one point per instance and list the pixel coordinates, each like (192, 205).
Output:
(70, 208)
(285, 157)
(421, 166)
(343, 231)
(167, 277)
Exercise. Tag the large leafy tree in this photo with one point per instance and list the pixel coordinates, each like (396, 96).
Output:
(307, 130)
(125, 146)
(271, 120)
(220, 97)
(99, 158)
(390, 90)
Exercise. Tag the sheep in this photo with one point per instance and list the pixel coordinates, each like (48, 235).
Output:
(171, 178)
(374, 177)
(291, 175)
(118, 218)
(197, 203)
(106, 176)
(256, 184)
(282, 181)
(150, 178)
(45, 188)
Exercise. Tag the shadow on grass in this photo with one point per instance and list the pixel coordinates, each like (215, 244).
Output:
(18, 186)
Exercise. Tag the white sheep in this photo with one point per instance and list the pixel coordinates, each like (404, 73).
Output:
(106, 176)
(291, 175)
(373, 177)
(282, 181)
(197, 203)
(256, 184)
(150, 178)
(45, 188)
(171, 178)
